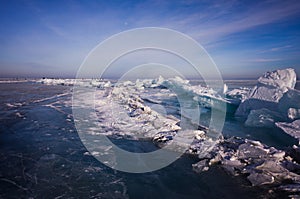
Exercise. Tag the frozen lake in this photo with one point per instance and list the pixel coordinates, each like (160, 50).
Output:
(42, 156)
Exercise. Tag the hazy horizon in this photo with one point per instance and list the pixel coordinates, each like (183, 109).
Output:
(116, 78)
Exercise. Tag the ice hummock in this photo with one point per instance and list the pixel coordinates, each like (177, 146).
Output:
(272, 100)
(282, 79)
(268, 91)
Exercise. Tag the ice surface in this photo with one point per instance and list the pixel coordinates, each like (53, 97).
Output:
(124, 111)
(14, 105)
(259, 97)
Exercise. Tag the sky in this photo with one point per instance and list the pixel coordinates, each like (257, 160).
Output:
(53, 38)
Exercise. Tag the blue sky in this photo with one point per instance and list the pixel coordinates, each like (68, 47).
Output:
(244, 38)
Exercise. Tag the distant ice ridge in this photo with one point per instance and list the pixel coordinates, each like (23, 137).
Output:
(71, 82)
(207, 97)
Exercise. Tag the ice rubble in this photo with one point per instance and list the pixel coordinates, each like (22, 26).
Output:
(262, 164)
(122, 109)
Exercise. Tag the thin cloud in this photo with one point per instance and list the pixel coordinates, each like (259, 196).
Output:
(57, 30)
(261, 14)
(276, 49)
(263, 60)
(216, 20)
